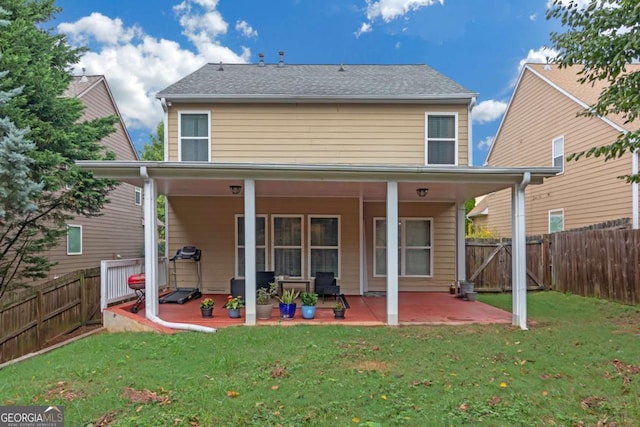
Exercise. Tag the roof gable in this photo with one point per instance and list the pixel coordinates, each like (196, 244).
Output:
(315, 82)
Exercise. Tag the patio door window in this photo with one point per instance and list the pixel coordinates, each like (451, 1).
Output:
(194, 137)
(261, 244)
(415, 255)
(324, 244)
(287, 245)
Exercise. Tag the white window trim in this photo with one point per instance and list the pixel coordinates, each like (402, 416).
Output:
(339, 247)
(426, 137)
(266, 242)
(81, 245)
(186, 112)
(553, 152)
(138, 196)
(556, 212)
(273, 240)
(402, 246)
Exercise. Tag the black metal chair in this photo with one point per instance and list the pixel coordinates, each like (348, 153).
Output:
(325, 284)
(263, 278)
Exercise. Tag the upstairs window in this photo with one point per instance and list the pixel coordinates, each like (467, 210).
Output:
(442, 139)
(138, 196)
(194, 137)
(558, 152)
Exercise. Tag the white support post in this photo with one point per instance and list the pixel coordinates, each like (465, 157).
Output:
(392, 253)
(519, 255)
(150, 244)
(461, 267)
(250, 250)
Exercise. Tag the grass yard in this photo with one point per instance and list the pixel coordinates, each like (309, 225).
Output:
(578, 365)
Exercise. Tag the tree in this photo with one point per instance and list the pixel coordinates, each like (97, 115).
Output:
(155, 151)
(36, 61)
(603, 37)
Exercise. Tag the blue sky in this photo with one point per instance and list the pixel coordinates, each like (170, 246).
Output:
(143, 46)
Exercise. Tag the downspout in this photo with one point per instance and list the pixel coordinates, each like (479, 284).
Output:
(151, 257)
(634, 190)
(472, 104)
(165, 123)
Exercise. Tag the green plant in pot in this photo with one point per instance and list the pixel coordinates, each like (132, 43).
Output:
(287, 305)
(338, 311)
(309, 301)
(264, 305)
(206, 307)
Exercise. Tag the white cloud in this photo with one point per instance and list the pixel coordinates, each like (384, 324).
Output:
(485, 143)
(488, 111)
(540, 56)
(533, 17)
(137, 65)
(389, 10)
(364, 28)
(101, 28)
(245, 29)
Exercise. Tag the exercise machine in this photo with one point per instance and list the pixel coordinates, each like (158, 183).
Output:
(182, 295)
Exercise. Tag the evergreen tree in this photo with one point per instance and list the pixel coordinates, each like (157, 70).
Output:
(37, 61)
(155, 151)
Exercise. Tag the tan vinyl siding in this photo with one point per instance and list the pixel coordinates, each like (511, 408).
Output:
(209, 224)
(118, 232)
(588, 191)
(443, 246)
(313, 133)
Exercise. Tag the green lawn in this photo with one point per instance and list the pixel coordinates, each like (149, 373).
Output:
(579, 364)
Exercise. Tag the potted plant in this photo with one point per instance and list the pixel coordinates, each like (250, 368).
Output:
(234, 304)
(264, 307)
(309, 301)
(338, 311)
(206, 307)
(287, 304)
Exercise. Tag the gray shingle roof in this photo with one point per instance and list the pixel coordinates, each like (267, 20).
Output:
(292, 81)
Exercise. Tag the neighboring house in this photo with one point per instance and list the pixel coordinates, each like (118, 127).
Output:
(322, 156)
(119, 232)
(541, 127)
(479, 214)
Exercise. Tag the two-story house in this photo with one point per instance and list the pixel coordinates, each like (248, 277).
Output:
(542, 126)
(299, 168)
(118, 232)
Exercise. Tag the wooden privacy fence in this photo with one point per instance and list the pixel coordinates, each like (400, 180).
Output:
(598, 263)
(48, 311)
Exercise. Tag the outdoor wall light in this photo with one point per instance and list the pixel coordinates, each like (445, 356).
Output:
(422, 192)
(235, 189)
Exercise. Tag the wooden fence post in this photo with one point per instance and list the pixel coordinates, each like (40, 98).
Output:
(84, 304)
(39, 316)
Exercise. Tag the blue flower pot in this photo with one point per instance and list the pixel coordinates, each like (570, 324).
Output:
(287, 311)
(234, 313)
(308, 311)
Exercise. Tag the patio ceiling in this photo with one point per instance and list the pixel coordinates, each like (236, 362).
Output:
(445, 184)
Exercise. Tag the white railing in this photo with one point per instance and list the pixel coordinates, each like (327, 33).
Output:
(115, 273)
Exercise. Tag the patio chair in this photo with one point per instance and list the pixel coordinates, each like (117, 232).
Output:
(263, 278)
(325, 284)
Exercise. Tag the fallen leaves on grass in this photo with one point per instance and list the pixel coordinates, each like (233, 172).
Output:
(279, 372)
(625, 370)
(106, 419)
(425, 383)
(232, 393)
(503, 384)
(144, 396)
(592, 402)
(495, 400)
(63, 391)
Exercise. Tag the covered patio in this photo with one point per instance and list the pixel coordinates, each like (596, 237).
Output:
(417, 308)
